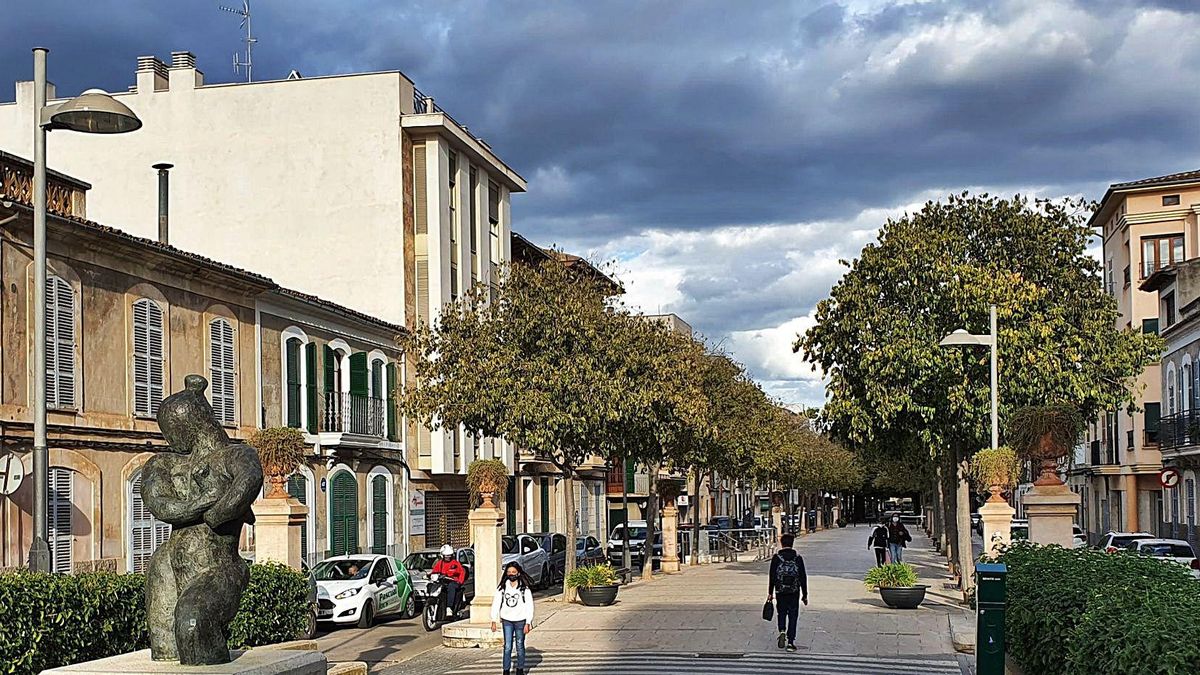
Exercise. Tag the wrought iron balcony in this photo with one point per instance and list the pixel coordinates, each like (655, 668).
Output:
(1180, 430)
(354, 414)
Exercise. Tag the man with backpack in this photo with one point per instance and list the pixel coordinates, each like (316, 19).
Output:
(879, 541)
(788, 586)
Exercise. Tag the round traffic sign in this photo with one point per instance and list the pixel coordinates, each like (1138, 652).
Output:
(12, 472)
(1169, 477)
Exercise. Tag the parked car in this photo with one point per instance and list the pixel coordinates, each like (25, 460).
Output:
(314, 607)
(525, 551)
(1018, 529)
(723, 522)
(359, 588)
(637, 544)
(587, 552)
(420, 564)
(1079, 537)
(1174, 550)
(977, 523)
(1116, 541)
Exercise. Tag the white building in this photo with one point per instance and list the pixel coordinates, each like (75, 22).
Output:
(355, 188)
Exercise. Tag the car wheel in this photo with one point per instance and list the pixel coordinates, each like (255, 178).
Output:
(410, 608)
(545, 581)
(310, 626)
(367, 617)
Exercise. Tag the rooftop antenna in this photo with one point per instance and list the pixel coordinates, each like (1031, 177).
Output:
(248, 64)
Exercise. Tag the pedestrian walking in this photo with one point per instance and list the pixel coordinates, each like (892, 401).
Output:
(512, 607)
(878, 541)
(788, 586)
(898, 538)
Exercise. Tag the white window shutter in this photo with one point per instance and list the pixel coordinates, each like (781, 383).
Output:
(61, 538)
(146, 533)
(147, 357)
(222, 378)
(60, 343)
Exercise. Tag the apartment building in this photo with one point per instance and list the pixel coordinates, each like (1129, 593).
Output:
(357, 188)
(128, 319)
(1145, 225)
(1178, 291)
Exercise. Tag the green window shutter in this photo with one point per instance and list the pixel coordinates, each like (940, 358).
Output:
(379, 515)
(545, 505)
(391, 401)
(510, 505)
(343, 522)
(629, 471)
(297, 487)
(310, 366)
(358, 374)
(293, 383)
(1153, 415)
(329, 357)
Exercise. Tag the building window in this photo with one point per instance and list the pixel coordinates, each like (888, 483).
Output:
(494, 219)
(222, 380)
(1108, 277)
(1171, 409)
(61, 538)
(147, 357)
(1151, 421)
(146, 533)
(1150, 326)
(1168, 309)
(293, 382)
(1160, 252)
(1170, 200)
(1191, 501)
(298, 486)
(452, 192)
(60, 343)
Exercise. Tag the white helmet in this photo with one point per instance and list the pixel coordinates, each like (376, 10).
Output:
(447, 550)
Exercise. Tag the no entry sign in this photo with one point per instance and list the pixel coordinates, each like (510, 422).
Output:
(1169, 477)
(12, 472)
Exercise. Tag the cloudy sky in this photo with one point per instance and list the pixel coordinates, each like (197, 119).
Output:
(724, 154)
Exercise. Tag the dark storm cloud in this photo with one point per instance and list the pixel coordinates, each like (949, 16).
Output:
(686, 118)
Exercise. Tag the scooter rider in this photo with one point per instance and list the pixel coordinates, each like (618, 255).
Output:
(455, 574)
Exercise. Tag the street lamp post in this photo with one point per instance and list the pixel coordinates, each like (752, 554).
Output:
(962, 337)
(93, 112)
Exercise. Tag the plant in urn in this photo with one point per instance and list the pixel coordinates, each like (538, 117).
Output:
(281, 450)
(1045, 434)
(996, 471)
(486, 477)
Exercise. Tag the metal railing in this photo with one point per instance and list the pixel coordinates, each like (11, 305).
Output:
(727, 545)
(355, 414)
(1180, 430)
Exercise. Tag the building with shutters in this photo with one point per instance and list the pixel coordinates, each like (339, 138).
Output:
(1178, 289)
(356, 188)
(127, 319)
(1146, 226)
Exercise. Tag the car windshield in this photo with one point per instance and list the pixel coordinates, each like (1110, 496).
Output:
(635, 532)
(1165, 550)
(1124, 541)
(423, 561)
(508, 544)
(342, 570)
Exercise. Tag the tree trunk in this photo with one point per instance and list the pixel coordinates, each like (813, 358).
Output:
(695, 559)
(966, 556)
(950, 496)
(626, 563)
(651, 521)
(572, 533)
(939, 512)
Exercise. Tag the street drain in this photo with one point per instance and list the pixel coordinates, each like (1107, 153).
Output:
(719, 655)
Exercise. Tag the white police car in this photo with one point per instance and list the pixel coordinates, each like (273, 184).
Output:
(359, 588)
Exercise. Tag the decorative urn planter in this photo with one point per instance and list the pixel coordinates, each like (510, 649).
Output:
(908, 597)
(598, 596)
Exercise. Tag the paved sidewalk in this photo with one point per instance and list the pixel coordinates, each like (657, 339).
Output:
(712, 613)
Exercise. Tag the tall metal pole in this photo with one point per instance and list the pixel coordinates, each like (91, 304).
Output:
(39, 551)
(995, 384)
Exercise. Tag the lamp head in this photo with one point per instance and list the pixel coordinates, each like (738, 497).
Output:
(95, 112)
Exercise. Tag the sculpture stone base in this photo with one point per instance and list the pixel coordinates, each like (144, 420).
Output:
(1052, 510)
(997, 525)
(466, 635)
(253, 662)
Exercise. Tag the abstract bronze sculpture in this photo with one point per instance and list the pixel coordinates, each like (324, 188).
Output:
(204, 488)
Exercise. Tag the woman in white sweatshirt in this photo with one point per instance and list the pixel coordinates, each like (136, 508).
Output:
(513, 607)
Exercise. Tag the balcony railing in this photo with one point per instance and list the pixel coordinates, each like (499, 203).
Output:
(354, 414)
(1179, 430)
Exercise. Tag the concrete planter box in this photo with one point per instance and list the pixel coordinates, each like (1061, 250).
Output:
(598, 596)
(903, 598)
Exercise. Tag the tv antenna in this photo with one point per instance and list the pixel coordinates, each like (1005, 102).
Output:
(248, 64)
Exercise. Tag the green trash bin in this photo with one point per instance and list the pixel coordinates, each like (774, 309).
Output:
(989, 618)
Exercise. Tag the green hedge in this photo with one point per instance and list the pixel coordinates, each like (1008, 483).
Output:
(1082, 611)
(52, 620)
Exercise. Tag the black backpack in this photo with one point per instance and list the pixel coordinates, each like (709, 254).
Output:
(787, 576)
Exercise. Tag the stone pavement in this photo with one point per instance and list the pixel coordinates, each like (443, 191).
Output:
(708, 619)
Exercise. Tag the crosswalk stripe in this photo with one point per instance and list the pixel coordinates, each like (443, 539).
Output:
(653, 663)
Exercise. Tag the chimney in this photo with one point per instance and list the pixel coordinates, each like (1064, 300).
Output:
(183, 72)
(163, 180)
(151, 74)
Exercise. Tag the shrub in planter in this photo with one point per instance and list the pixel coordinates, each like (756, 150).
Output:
(995, 470)
(280, 450)
(891, 575)
(274, 607)
(596, 584)
(1045, 434)
(486, 477)
(51, 620)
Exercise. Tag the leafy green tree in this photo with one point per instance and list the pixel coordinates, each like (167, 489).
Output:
(938, 270)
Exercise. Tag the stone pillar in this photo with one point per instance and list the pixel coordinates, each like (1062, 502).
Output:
(1051, 510)
(278, 522)
(820, 513)
(777, 521)
(670, 535)
(487, 526)
(997, 525)
(1131, 504)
